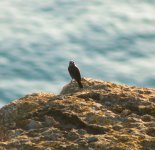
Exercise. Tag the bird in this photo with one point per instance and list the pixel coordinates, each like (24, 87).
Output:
(75, 73)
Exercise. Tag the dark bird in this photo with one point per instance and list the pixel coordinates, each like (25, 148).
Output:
(75, 73)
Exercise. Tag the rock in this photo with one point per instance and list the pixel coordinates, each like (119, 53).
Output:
(117, 127)
(53, 135)
(72, 135)
(147, 118)
(50, 121)
(82, 132)
(102, 115)
(151, 131)
(92, 139)
(32, 124)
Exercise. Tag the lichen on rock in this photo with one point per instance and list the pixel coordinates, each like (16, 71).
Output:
(102, 115)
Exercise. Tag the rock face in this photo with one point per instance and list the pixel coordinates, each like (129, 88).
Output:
(101, 116)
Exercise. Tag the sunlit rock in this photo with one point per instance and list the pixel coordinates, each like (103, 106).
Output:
(102, 115)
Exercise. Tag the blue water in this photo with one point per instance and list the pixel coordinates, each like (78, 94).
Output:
(108, 40)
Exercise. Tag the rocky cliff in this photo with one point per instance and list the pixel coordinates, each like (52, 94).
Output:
(102, 116)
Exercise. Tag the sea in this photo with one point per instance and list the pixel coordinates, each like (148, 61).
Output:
(108, 40)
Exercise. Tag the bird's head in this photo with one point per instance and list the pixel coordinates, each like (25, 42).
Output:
(71, 63)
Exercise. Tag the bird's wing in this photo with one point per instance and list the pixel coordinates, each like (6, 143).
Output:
(77, 73)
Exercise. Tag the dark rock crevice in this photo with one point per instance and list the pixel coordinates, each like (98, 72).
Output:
(67, 121)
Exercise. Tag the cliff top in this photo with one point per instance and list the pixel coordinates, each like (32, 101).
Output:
(103, 115)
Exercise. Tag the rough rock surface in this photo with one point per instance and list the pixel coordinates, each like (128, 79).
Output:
(101, 116)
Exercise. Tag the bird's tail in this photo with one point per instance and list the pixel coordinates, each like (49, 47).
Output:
(80, 84)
